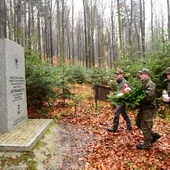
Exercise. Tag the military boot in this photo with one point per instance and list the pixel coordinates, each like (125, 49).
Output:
(142, 146)
(155, 137)
(129, 128)
(112, 129)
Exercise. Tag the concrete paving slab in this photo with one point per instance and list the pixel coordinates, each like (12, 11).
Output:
(24, 137)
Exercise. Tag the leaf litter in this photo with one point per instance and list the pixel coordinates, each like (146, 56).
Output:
(91, 147)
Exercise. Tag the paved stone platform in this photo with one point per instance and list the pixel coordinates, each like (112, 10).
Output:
(24, 137)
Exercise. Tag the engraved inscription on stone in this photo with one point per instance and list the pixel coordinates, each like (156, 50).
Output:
(17, 87)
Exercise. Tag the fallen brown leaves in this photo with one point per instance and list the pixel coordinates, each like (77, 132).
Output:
(116, 151)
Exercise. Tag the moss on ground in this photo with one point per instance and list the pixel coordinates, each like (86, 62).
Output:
(26, 158)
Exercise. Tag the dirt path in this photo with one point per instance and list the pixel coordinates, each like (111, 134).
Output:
(61, 148)
(76, 141)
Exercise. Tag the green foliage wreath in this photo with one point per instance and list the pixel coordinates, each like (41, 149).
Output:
(131, 99)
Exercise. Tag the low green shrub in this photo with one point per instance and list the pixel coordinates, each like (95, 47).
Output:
(40, 82)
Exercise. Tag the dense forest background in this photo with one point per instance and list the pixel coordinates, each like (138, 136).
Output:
(88, 44)
(97, 35)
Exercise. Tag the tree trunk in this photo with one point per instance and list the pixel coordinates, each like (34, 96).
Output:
(85, 32)
(11, 26)
(62, 35)
(51, 36)
(168, 9)
(58, 52)
(39, 28)
(29, 25)
(152, 36)
(142, 25)
(120, 30)
(73, 31)
(25, 27)
(18, 26)
(2, 19)
(130, 24)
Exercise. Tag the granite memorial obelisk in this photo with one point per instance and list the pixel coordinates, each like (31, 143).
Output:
(13, 104)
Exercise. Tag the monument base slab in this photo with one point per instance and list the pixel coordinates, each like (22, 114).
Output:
(24, 137)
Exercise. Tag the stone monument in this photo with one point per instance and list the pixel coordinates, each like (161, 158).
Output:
(17, 132)
(13, 104)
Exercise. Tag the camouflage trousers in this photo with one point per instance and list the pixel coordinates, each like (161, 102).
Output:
(144, 121)
(120, 109)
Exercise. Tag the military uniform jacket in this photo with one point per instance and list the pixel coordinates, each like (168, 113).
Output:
(121, 82)
(168, 88)
(149, 101)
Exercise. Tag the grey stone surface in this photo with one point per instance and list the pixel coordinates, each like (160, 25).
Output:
(13, 105)
(24, 137)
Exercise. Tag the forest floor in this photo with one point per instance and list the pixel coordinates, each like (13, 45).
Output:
(78, 140)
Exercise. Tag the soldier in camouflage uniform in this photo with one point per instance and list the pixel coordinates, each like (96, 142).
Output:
(120, 109)
(144, 119)
(167, 99)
